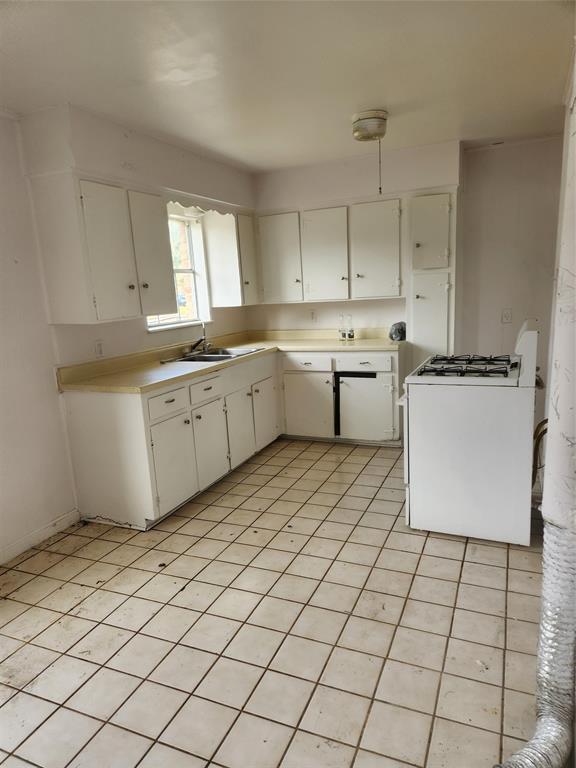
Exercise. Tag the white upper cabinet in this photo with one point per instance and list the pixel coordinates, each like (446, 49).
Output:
(248, 261)
(430, 231)
(221, 248)
(105, 251)
(375, 249)
(153, 254)
(325, 254)
(110, 251)
(279, 236)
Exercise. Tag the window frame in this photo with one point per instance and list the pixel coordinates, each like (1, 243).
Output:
(197, 270)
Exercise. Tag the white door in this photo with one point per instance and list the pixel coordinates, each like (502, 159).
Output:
(211, 441)
(174, 462)
(110, 251)
(149, 218)
(265, 403)
(367, 407)
(429, 326)
(280, 257)
(309, 404)
(325, 254)
(375, 249)
(248, 263)
(222, 258)
(430, 231)
(240, 420)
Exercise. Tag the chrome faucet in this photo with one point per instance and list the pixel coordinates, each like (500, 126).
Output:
(201, 341)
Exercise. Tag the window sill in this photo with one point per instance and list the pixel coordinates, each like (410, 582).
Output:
(175, 326)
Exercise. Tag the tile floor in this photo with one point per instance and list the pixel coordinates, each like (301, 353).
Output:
(286, 617)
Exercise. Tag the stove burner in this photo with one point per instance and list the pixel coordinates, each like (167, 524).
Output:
(497, 360)
(463, 370)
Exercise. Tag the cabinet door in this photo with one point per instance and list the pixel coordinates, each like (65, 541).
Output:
(430, 231)
(174, 462)
(110, 251)
(265, 403)
(248, 263)
(375, 249)
(222, 258)
(149, 218)
(211, 441)
(429, 327)
(325, 254)
(280, 257)
(309, 404)
(240, 420)
(367, 407)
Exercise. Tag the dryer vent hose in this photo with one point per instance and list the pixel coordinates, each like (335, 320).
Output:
(552, 741)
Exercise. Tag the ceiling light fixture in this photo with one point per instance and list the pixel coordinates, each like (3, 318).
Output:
(370, 125)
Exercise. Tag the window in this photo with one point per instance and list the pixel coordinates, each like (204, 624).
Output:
(189, 274)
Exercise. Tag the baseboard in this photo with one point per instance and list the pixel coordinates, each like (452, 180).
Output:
(40, 534)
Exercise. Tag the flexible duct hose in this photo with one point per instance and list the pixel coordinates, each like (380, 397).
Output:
(550, 746)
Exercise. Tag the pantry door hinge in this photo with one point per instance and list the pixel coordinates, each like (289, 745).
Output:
(94, 301)
(158, 501)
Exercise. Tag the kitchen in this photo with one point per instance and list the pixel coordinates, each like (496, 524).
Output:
(229, 535)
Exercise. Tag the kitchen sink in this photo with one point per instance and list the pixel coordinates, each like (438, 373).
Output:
(215, 355)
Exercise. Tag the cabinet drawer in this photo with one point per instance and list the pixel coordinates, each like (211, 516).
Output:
(205, 390)
(300, 361)
(169, 402)
(359, 361)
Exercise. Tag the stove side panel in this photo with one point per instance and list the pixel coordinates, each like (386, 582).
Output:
(470, 454)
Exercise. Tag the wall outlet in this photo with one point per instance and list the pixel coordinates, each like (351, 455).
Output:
(99, 348)
(506, 316)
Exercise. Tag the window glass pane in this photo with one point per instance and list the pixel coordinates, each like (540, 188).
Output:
(181, 257)
(185, 296)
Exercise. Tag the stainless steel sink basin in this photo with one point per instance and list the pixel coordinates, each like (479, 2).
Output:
(215, 355)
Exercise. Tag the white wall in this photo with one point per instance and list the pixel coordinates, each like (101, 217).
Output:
(510, 216)
(345, 181)
(36, 489)
(77, 343)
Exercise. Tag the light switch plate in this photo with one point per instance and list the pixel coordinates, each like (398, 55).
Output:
(506, 316)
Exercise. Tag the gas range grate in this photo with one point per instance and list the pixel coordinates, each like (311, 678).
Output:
(464, 370)
(464, 360)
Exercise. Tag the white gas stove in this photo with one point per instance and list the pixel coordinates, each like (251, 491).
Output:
(468, 424)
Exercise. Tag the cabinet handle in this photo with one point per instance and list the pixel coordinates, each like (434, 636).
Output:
(145, 285)
(186, 421)
(359, 275)
(207, 389)
(246, 282)
(418, 296)
(172, 400)
(343, 277)
(257, 391)
(366, 362)
(307, 363)
(198, 416)
(417, 245)
(132, 287)
(297, 280)
(248, 394)
(327, 381)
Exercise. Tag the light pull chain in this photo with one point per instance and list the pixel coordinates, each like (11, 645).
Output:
(379, 166)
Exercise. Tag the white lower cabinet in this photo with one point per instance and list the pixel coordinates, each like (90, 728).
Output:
(211, 441)
(265, 404)
(240, 420)
(309, 404)
(367, 407)
(174, 462)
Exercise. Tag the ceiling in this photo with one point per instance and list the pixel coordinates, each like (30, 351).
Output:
(273, 84)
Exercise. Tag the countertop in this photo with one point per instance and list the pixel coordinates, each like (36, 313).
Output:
(153, 374)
